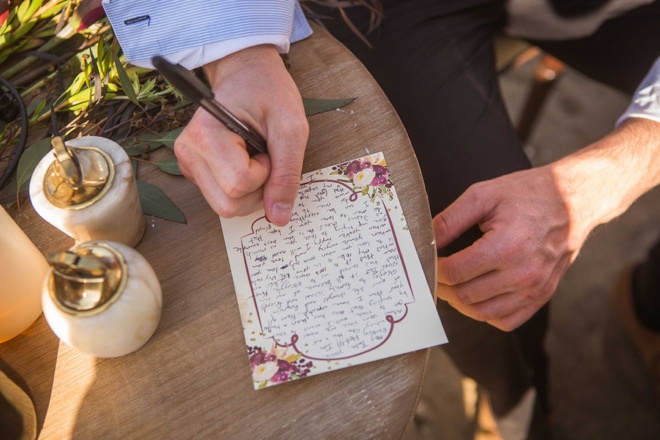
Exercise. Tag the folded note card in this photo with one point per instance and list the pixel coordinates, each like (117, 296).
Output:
(340, 285)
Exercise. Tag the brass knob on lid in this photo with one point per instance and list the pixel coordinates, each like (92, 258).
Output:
(87, 279)
(78, 176)
(66, 163)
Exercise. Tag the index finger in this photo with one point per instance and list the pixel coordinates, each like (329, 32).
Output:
(475, 260)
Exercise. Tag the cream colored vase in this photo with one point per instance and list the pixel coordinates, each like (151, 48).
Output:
(22, 272)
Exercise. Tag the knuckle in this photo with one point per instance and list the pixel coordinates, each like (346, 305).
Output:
(441, 223)
(295, 131)
(507, 250)
(185, 153)
(442, 291)
(545, 292)
(529, 296)
(223, 207)
(225, 210)
(456, 296)
(237, 183)
(224, 213)
(186, 172)
(447, 275)
(482, 316)
(476, 191)
(180, 150)
(298, 126)
(528, 277)
(503, 325)
(532, 275)
(482, 312)
(463, 297)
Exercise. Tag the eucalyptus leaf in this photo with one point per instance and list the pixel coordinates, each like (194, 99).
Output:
(125, 80)
(170, 166)
(155, 202)
(166, 138)
(29, 160)
(141, 148)
(314, 106)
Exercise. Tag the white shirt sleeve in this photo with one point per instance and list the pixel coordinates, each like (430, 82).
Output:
(194, 33)
(646, 100)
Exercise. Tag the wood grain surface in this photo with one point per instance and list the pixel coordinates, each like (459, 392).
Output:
(192, 379)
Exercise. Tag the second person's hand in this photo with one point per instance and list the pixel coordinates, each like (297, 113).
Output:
(534, 223)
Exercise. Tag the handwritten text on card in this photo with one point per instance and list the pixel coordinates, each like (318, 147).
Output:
(343, 264)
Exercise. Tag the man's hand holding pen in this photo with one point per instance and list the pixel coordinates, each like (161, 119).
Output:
(256, 87)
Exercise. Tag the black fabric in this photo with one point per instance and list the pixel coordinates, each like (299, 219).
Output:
(435, 62)
(646, 289)
(619, 53)
(434, 59)
(572, 8)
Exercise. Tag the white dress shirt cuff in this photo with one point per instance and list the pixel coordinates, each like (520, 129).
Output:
(196, 33)
(646, 101)
(198, 56)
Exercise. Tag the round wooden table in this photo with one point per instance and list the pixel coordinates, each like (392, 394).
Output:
(192, 379)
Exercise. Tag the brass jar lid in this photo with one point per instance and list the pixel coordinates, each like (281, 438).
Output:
(86, 279)
(78, 177)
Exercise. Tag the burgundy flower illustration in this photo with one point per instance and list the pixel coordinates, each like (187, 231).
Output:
(368, 176)
(277, 365)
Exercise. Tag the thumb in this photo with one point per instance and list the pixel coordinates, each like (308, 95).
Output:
(465, 212)
(281, 189)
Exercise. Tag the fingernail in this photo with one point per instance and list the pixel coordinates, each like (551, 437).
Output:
(281, 213)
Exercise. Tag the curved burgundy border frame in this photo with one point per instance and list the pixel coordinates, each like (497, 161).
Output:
(294, 338)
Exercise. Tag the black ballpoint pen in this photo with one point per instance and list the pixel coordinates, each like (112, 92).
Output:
(194, 89)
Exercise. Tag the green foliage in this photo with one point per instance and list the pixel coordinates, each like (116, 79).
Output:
(28, 162)
(92, 90)
(130, 86)
(166, 139)
(170, 166)
(155, 202)
(314, 106)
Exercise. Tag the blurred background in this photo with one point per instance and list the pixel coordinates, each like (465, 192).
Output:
(598, 387)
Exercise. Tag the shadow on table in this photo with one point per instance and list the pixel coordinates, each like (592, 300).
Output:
(41, 346)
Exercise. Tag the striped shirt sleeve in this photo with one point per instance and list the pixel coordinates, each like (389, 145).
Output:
(194, 33)
(646, 100)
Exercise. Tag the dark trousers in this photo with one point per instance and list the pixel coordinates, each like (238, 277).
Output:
(646, 289)
(434, 59)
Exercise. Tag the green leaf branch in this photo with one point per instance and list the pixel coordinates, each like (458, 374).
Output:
(75, 81)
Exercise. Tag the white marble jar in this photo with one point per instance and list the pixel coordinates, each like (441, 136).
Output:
(113, 213)
(102, 298)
